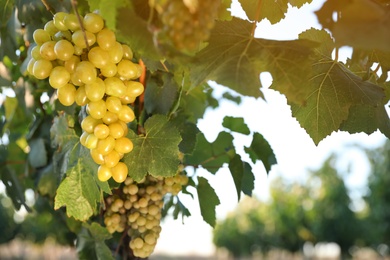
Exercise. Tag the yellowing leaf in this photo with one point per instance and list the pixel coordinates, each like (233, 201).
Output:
(156, 152)
(235, 59)
(78, 192)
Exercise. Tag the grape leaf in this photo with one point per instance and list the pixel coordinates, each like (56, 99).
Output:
(229, 96)
(160, 94)
(188, 132)
(248, 180)
(272, 10)
(208, 200)
(333, 90)
(90, 242)
(79, 192)
(367, 119)
(236, 168)
(156, 152)
(257, 10)
(235, 59)
(236, 124)
(212, 156)
(261, 150)
(37, 157)
(362, 23)
(242, 176)
(109, 14)
(133, 30)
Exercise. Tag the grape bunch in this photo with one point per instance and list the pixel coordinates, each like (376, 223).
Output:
(187, 23)
(87, 66)
(137, 210)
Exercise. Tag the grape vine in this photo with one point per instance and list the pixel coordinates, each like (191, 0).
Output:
(98, 100)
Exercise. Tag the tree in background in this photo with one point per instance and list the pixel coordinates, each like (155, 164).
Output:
(315, 211)
(377, 199)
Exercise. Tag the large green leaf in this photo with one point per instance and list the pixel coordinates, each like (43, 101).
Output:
(133, 30)
(333, 90)
(261, 150)
(156, 152)
(235, 58)
(208, 200)
(212, 156)
(79, 192)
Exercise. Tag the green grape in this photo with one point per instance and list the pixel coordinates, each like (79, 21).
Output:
(109, 70)
(41, 36)
(127, 52)
(186, 28)
(116, 130)
(86, 72)
(95, 91)
(97, 109)
(128, 69)
(127, 100)
(98, 57)
(30, 66)
(81, 97)
(83, 138)
(66, 94)
(96, 156)
(70, 64)
(123, 145)
(64, 50)
(126, 114)
(62, 35)
(119, 172)
(101, 131)
(133, 88)
(113, 104)
(59, 22)
(104, 173)
(46, 51)
(110, 118)
(79, 40)
(36, 53)
(116, 53)
(105, 146)
(71, 22)
(42, 69)
(93, 22)
(59, 77)
(115, 87)
(50, 28)
(91, 141)
(78, 50)
(112, 159)
(106, 39)
(89, 123)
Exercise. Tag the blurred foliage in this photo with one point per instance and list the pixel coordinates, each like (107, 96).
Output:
(318, 210)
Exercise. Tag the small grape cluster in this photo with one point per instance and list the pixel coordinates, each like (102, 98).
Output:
(137, 209)
(187, 23)
(87, 66)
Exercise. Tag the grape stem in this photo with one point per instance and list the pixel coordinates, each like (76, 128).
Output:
(48, 7)
(74, 6)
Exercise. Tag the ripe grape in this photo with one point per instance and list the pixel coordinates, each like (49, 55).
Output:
(186, 27)
(81, 62)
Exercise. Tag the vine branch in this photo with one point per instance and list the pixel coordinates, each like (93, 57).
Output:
(48, 7)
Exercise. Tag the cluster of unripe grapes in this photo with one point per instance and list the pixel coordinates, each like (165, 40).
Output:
(136, 209)
(187, 23)
(87, 66)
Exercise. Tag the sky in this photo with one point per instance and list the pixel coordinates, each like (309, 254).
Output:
(295, 151)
